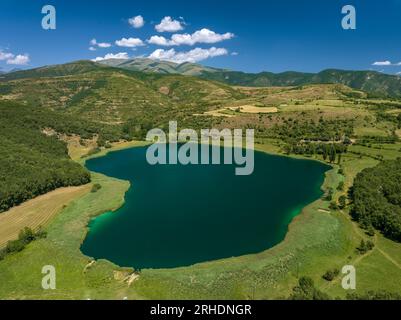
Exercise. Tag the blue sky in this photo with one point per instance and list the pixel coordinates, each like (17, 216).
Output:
(252, 35)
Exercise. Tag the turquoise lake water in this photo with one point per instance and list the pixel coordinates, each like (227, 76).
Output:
(176, 215)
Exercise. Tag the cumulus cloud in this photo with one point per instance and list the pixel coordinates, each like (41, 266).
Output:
(94, 44)
(137, 22)
(10, 58)
(20, 59)
(195, 55)
(130, 42)
(382, 63)
(169, 25)
(201, 36)
(5, 56)
(120, 55)
(159, 41)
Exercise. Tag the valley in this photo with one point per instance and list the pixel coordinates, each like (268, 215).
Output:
(57, 117)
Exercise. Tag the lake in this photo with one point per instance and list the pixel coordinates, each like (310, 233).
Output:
(176, 215)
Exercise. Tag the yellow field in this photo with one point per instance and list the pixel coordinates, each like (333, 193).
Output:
(37, 212)
(255, 109)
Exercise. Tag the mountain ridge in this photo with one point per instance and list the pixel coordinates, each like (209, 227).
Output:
(375, 83)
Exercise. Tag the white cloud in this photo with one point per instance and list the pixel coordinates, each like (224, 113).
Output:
(169, 25)
(234, 53)
(382, 63)
(6, 55)
(201, 36)
(137, 22)
(10, 58)
(104, 45)
(195, 55)
(160, 41)
(20, 59)
(130, 42)
(121, 55)
(94, 44)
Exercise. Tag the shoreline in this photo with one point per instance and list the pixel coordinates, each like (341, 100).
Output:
(295, 219)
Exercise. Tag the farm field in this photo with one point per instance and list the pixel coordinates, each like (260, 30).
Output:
(37, 212)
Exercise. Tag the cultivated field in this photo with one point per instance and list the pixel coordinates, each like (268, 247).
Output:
(37, 212)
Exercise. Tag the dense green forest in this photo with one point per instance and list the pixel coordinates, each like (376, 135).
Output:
(32, 163)
(376, 196)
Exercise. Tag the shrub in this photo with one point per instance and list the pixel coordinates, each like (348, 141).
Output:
(96, 187)
(331, 274)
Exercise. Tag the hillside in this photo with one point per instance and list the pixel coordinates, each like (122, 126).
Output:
(110, 95)
(163, 67)
(375, 83)
(32, 163)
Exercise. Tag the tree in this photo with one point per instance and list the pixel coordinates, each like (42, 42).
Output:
(342, 202)
(332, 154)
(306, 290)
(331, 274)
(339, 159)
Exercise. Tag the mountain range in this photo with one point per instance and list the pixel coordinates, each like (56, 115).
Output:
(376, 83)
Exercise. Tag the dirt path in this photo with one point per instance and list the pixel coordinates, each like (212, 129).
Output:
(389, 258)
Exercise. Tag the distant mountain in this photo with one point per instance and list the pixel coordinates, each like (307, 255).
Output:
(375, 83)
(62, 70)
(156, 66)
(14, 70)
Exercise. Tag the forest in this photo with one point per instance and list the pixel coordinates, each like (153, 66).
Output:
(376, 197)
(32, 163)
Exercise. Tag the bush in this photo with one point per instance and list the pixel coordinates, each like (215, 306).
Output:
(342, 202)
(306, 290)
(331, 274)
(96, 187)
(365, 246)
(26, 236)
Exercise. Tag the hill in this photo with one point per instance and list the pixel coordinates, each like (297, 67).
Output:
(115, 96)
(375, 83)
(32, 163)
(163, 67)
